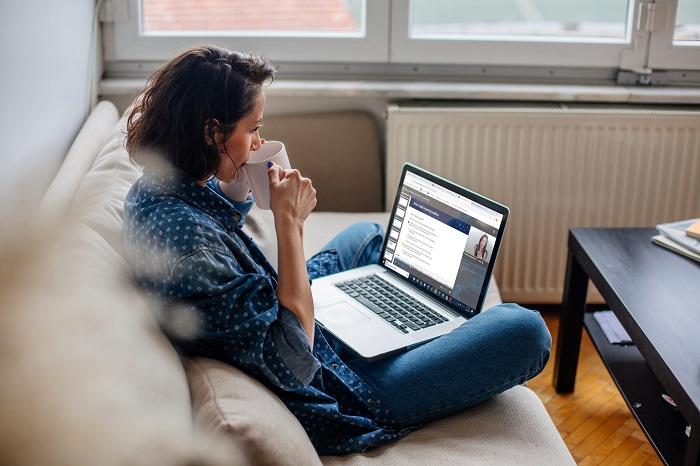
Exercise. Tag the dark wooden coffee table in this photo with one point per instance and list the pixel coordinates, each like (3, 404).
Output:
(655, 294)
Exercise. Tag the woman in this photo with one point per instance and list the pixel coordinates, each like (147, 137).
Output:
(480, 251)
(192, 130)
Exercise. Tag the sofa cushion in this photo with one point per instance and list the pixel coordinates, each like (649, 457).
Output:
(319, 228)
(88, 378)
(99, 202)
(224, 399)
(511, 428)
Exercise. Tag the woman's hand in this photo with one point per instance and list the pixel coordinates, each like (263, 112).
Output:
(292, 196)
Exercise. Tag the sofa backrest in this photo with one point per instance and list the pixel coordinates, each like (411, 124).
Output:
(99, 201)
(339, 151)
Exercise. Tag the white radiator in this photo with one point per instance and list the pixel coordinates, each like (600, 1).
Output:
(557, 167)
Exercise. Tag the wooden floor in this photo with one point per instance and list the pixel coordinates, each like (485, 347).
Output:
(594, 421)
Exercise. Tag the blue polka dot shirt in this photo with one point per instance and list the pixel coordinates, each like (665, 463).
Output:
(218, 296)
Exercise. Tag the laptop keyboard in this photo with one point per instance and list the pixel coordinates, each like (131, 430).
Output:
(390, 303)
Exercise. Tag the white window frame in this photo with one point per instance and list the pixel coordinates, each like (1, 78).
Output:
(664, 53)
(124, 39)
(385, 44)
(502, 50)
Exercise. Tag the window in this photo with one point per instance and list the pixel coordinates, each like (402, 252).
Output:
(687, 27)
(675, 35)
(517, 20)
(570, 33)
(284, 30)
(637, 35)
(283, 18)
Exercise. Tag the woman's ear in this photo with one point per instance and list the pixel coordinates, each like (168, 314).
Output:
(212, 132)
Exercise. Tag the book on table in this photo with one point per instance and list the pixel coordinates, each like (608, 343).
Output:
(694, 230)
(664, 242)
(676, 232)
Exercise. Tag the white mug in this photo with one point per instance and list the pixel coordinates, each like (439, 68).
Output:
(256, 170)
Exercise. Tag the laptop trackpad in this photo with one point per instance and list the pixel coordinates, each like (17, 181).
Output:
(342, 315)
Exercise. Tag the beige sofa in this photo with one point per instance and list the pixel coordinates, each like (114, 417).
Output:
(89, 378)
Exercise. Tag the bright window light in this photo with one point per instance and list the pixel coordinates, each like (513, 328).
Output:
(465, 19)
(688, 22)
(260, 17)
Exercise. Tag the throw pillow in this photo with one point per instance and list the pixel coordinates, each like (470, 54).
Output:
(224, 399)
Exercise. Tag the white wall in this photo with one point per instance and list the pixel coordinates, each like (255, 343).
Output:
(44, 53)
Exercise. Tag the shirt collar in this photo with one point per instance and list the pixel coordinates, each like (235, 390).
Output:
(201, 197)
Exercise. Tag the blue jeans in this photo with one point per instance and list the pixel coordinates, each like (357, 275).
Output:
(497, 349)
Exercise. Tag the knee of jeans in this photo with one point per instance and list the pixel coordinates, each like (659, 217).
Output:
(528, 335)
(372, 228)
(374, 232)
(368, 237)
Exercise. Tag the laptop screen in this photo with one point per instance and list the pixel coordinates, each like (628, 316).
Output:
(441, 241)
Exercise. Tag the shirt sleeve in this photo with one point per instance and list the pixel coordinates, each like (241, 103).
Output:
(242, 207)
(239, 320)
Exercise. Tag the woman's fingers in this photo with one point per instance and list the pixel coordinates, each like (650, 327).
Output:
(273, 173)
(291, 192)
(292, 173)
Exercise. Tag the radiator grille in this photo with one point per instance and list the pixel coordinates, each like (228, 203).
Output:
(556, 168)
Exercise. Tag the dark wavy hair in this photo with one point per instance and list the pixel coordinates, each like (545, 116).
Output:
(168, 121)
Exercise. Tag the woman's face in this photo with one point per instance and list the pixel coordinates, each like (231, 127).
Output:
(482, 242)
(245, 137)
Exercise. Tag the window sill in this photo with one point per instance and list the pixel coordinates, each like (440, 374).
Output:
(456, 91)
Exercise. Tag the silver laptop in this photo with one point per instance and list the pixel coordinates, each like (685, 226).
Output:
(433, 273)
